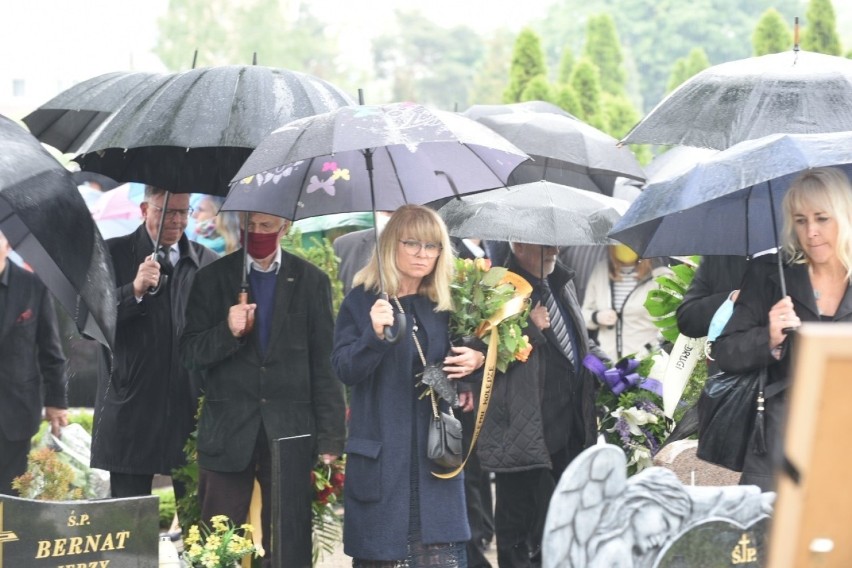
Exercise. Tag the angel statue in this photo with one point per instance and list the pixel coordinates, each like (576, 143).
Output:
(600, 518)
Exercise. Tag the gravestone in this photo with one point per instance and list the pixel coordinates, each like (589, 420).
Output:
(598, 517)
(108, 533)
(292, 460)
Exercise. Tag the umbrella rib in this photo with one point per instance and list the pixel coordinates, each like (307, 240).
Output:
(308, 163)
(396, 174)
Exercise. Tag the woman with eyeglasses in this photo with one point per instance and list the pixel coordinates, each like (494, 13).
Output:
(397, 512)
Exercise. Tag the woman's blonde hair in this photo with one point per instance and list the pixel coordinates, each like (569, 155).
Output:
(827, 190)
(411, 222)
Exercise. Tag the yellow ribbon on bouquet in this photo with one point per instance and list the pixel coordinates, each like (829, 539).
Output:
(515, 305)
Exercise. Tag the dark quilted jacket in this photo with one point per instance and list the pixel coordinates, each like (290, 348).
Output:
(513, 435)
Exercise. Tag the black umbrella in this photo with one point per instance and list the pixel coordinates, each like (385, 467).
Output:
(541, 213)
(47, 222)
(191, 131)
(565, 150)
(69, 118)
(368, 158)
(794, 92)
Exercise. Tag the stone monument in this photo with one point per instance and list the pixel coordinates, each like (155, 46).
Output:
(598, 517)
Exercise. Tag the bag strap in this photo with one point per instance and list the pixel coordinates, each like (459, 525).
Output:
(435, 413)
(484, 398)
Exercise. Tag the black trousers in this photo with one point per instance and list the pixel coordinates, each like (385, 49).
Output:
(229, 493)
(13, 462)
(477, 492)
(520, 513)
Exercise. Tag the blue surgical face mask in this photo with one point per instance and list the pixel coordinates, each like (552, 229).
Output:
(720, 319)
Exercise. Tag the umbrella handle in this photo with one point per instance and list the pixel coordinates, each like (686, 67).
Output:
(161, 283)
(400, 324)
(242, 298)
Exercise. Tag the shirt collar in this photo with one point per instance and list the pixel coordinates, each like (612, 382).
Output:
(274, 267)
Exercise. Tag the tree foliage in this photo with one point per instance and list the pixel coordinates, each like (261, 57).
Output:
(686, 67)
(527, 62)
(538, 89)
(566, 98)
(586, 82)
(427, 62)
(604, 50)
(820, 31)
(253, 26)
(654, 33)
(772, 34)
(566, 65)
(491, 76)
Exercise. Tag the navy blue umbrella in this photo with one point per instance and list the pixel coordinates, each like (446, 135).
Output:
(730, 202)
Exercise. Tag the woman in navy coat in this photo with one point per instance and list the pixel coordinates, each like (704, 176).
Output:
(397, 512)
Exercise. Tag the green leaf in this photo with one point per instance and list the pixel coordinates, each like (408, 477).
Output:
(493, 276)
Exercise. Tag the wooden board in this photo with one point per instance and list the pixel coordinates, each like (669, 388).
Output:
(817, 443)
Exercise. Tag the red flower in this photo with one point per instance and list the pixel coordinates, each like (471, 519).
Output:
(24, 316)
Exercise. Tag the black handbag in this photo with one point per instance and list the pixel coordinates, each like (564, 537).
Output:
(730, 417)
(444, 442)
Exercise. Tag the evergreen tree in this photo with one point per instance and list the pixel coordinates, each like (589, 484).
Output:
(566, 98)
(489, 80)
(686, 67)
(538, 89)
(820, 33)
(566, 65)
(621, 117)
(527, 62)
(586, 83)
(772, 34)
(604, 50)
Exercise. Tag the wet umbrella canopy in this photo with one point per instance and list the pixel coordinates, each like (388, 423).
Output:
(565, 150)
(790, 92)
(722, 205)
(317, 165)
(541, 212)
(46, 221)
(66, 120)
(478, 111)
(191, 131)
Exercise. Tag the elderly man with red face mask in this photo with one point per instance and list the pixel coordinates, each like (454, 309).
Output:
(270, 380)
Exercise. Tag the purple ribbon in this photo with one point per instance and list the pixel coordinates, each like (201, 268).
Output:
(622, 376)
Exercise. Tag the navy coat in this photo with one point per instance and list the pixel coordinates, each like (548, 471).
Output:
(382, 395)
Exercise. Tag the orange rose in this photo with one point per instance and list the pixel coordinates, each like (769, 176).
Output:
(523, 354)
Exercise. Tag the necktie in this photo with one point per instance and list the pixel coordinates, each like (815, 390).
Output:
(557, 323)
(165, 259)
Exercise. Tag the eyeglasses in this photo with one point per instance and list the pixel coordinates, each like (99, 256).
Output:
(174, 213)
(430, 250)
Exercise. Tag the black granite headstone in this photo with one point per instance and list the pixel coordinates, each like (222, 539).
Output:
(292, 460)
(718, 544)
(108, 533)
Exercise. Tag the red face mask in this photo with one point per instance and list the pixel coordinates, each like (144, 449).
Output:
(261, 245)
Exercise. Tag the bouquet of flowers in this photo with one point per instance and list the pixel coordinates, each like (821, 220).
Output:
(630, 406)
(327, 481)
(219, 546)
(486, 297)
